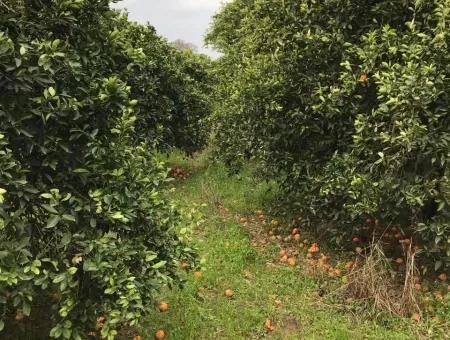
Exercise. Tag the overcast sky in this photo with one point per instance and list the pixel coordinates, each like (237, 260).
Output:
(175, 19)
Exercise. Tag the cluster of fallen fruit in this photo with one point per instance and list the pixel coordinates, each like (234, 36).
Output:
(180, 173)
(392, 239)
(315, 262)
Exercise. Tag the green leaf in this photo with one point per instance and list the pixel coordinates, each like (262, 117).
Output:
(49, 208)
(23, 50)
(51, 91)
(53, 221)
(26, 308)
(70, 218)
(159, 264)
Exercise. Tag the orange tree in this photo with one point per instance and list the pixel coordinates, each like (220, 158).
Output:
(86, 97)
(346, 104)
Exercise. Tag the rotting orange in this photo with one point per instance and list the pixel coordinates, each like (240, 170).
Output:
(349, 265)
(268, 326)
(399, 261)
(292, 261)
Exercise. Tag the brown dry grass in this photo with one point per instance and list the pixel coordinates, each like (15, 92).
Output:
(372, 280)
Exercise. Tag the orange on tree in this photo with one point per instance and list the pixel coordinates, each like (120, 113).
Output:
(283, 252)
(295, 231)
(292, 261)
(19, 316)
(297, 237)
(197, 274)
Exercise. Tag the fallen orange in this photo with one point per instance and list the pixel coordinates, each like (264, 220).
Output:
(291, 261)
(160, 334)
(229, 293)
(163, 307)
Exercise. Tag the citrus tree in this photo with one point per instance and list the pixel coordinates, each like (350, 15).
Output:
(85, 222)
(345, 103)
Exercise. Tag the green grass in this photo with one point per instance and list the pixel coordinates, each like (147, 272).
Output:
(201, 311)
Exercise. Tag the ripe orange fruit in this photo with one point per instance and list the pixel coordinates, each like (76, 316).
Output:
(137, 337)
(292, 261)
(229, 293)
(160, 334)
(442, 277)
(356, 239)
(283, 258)
(349, 265)
(337, 272)
(363, 77)
(399, 261)
(197, 274)
(314, 248)
(19, 315)
(295, 231)
(282, 252)
(163, 307)
(297, 237)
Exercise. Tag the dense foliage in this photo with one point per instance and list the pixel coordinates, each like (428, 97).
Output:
(346, 102)
(86, 97)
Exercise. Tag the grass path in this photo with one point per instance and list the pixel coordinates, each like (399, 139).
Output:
(201, 311)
